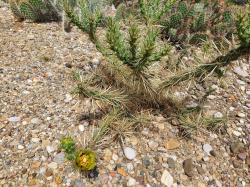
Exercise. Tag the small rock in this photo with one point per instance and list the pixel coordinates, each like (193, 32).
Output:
(239, 71)
(115, 157)
(218, 115)
(218, 183)
(172, 144)
(52, 165)
(153, 145)
(81, 128)
(20, 147)
(35, 121)
(96, 61)
(213, 153)
(50, 149)
(68, 98)
(131, 182)
(130, 153)
(68, 65)
(236, 147)
(78, 183)
(146, 161)
(236, 133)
(200, 184)
(242, 156)
(36, 165)
(107, 155)
(167, 179)
(14, 119)
(207, 148)
(200, 170)
(237, 164)
(241, 115)
(35, 140)
(122, 172)
(171, 163)
(59, 158)
(188, 167)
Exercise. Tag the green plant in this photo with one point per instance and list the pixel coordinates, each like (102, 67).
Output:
(35, 10)
(193, 23)
(68, 145)
(243, 28)
(153, 10)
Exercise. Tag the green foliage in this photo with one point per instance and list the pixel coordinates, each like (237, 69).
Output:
(153, 10)
(68, 144)
(35, 10)
(195, 22)
(243, 28)
(90, 16)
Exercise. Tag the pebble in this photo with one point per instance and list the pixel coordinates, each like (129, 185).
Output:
(59, 158)
(81, 128)
(131, 182)
(236, 133)
(50, 149)
(35, 140)
(14, 119)
(115, 157)
(200, 170)
(207, 148)
(78, 183)
(20, 147)
(167, 179)
(239, 71)
(218, 115)
(236, 147)
(188, 167)
(53, 165)
(153, 145)
(241, 115)
(35, 121)
(171, 163)
(130, 153)
(172, 144)
(68, 98)
(242, 156)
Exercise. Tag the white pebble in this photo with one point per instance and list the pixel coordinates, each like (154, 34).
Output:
(207, 148)
(50, 149)
(131, 182)
(167, 179)
(20, 147)
(130, 153)
(81, 128)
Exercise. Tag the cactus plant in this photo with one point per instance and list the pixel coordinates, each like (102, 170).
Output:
(35, 10)
(190, 22)
(85, 160)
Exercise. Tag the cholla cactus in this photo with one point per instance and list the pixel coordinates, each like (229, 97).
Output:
(243, 29)
(35, 10)
(190, 22)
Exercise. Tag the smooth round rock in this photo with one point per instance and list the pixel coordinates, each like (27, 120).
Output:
(130, 153)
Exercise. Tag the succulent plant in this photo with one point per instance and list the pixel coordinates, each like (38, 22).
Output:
(190, 22)
(68, 145)
(85, 160)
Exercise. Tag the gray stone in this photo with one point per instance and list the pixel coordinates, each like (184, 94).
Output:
(241, 72)
(59, 158)
(171, 163)
(78, 183)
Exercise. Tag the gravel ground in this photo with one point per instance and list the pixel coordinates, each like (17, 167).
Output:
(37, 110)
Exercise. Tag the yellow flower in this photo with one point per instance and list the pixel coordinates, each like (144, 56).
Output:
(86, 159)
